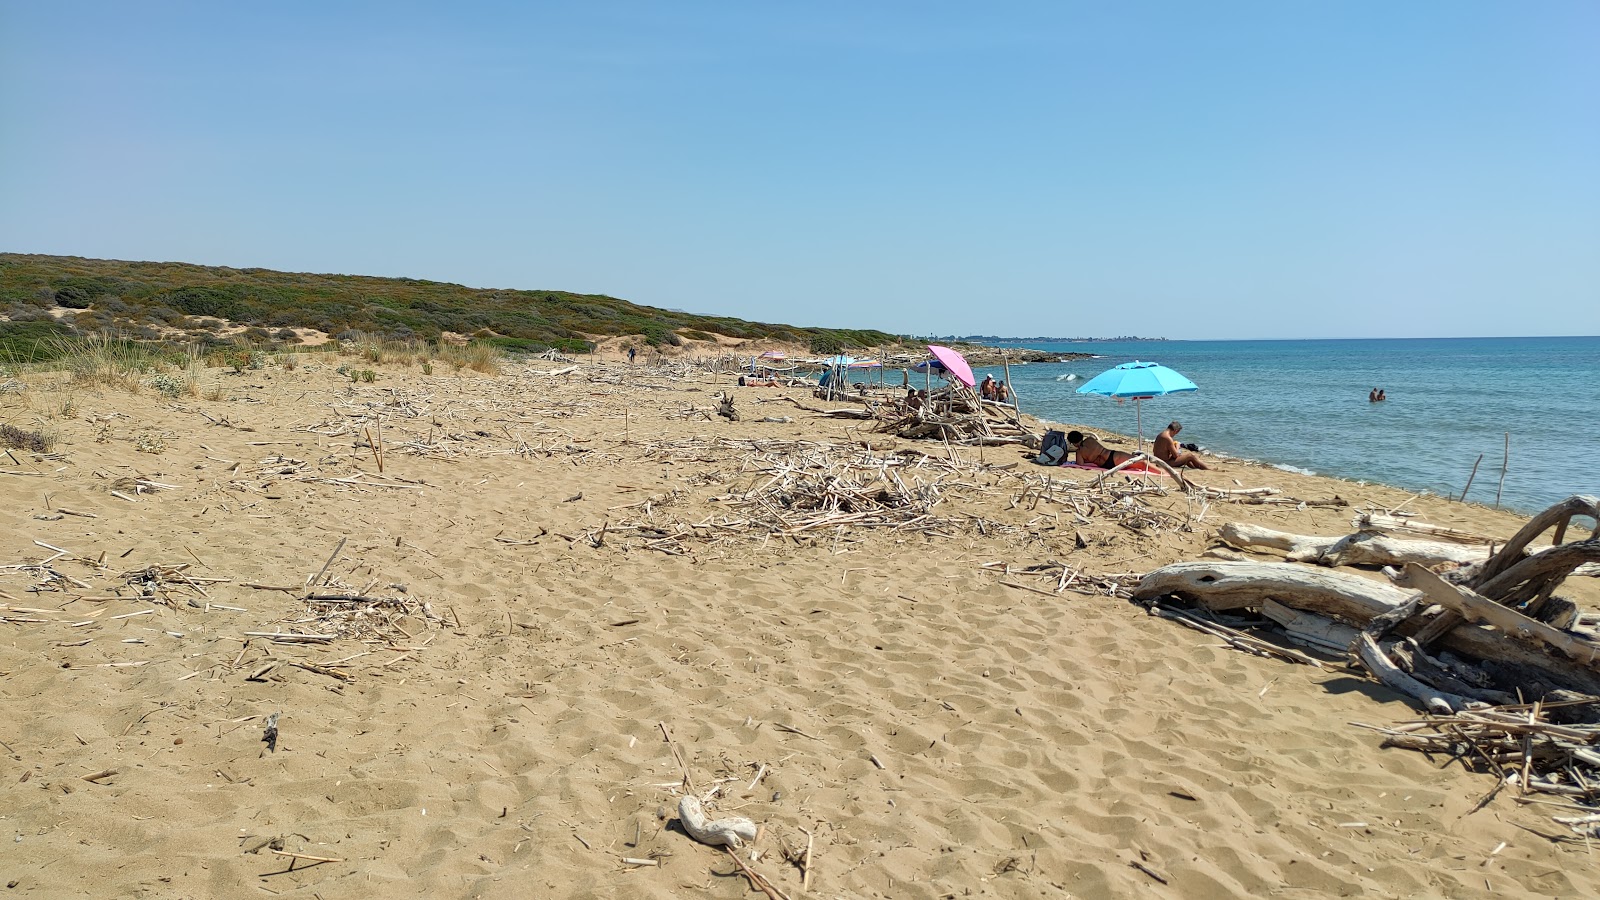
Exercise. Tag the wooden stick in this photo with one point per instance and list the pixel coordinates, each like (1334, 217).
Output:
(757, 880)
(287, 637)
(331, 557)
(379, 422)
(667, 736)
(805, 875)
(1378, 663)
(1025, 587)
(1463, 497)
(1505, 461)
(320, 859)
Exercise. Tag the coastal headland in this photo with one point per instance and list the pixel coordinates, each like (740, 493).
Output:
(364, 621)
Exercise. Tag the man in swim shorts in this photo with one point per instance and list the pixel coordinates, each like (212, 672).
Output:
(1166, 448)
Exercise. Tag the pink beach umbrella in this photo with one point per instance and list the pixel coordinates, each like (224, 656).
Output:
(954, 363)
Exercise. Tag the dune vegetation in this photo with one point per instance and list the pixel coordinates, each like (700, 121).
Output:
(48, 302)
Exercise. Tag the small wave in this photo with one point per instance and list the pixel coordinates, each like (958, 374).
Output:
(1295, 469)
(1067, 377)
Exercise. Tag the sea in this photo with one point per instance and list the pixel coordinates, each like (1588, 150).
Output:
(1302, 405)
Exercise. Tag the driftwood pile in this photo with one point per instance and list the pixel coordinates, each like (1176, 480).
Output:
(1535, 747)
(1509, 672)
(954, 414)
(795, 488)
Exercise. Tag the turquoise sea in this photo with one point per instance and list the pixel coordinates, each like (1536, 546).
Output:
(1303, 405)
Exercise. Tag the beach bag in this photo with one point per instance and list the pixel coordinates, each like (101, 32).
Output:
(1053, 449)
(1053, 439)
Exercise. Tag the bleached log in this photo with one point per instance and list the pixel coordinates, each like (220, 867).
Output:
(1541, 572)
(1369, 549)
(1378, 663)
(1359, 549)
(1355, 599)
(1481, 610)
(1478, 642)
(1310, 627)
(1233, 585)
(1555, 517)
(731, 832)
(1413, 660)
(1391, 524)
(1298, 547)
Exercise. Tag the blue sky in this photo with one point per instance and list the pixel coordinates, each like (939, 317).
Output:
(1192, 170)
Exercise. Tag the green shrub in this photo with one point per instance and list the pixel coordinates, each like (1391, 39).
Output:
(32, 342)
(109, 291)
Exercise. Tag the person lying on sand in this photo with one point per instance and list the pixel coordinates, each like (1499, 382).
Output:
(1093, 453)
(1167, 448)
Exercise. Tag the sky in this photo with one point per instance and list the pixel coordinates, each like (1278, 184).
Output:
(1190, 170)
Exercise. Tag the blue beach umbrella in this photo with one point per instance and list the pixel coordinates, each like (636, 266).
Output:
(1140, 381)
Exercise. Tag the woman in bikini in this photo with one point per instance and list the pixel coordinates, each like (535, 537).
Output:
(1093, 453)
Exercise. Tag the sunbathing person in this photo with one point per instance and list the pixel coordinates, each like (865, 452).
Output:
(1093, 453)
(1166, 448)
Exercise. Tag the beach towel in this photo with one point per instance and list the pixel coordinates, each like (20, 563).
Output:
(1136, 468)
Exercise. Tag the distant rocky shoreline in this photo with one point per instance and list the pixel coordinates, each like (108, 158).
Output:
(994, 356)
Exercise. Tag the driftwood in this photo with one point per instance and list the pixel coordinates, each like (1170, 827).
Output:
(1388, 524)
(1354, 599)
(1382, 668)
(1415, 661)
(1539, 574)
(1556, 517)
(1360, 549)
(1480, 610)
(1318, 631)
(1232, 585)
(729, 832)
(1174, 474)
(1524, 746)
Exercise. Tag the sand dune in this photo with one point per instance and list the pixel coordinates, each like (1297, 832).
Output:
(497, 730)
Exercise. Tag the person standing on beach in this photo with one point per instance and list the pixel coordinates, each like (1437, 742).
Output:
(632, 352)
(1166, 448)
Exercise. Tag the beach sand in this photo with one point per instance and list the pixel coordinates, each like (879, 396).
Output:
(883, 695)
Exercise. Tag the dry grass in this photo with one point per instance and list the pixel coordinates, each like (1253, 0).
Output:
(104, 360)
(478, 357)
(15, 438)
(381, 350)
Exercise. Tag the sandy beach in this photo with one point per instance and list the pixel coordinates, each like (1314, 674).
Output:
(515, 588)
